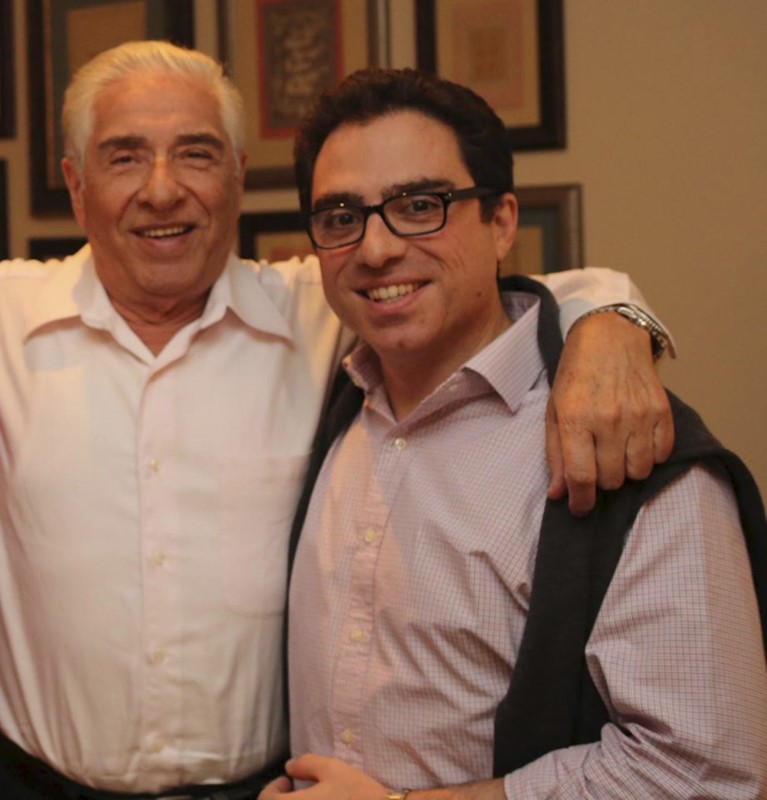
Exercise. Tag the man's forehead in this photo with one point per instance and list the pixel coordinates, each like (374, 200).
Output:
(156, 91)
(402, 151)
(408, 130)
(153, 105)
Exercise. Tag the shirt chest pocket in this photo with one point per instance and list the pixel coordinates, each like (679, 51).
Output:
(258, 498)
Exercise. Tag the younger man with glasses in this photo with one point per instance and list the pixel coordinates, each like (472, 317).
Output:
(449, 626)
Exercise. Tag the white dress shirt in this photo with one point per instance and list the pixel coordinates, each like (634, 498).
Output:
(145, 505)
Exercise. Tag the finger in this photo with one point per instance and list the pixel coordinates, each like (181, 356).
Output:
(580, 471)
(308, 767)
(653, 437)
(663, 436)
(611, 461)
(277, 787)
(581, 496)
(557, 485)
(639, 456)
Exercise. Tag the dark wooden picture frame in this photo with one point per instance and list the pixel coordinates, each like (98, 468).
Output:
(273, 235)
(48, 35)
(338, 36)
(4, 242)
(550, 231)
(43, 248)
(489, 62)
(7, 87)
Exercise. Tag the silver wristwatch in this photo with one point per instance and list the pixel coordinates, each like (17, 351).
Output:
(659, 338)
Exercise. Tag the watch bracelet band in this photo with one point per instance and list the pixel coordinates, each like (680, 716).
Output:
(658, 337)
(400, 795)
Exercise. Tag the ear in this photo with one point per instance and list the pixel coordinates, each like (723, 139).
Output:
(504, 224)
(75, 187)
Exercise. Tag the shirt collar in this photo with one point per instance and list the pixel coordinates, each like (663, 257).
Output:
(239, 289)
(74, 290)
(512, 363)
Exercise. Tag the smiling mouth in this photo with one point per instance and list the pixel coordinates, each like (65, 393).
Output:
(385, 294)
(165, 233)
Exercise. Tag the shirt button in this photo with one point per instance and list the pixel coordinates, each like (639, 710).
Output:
(400, 443)
(158, 559)
(158, 745)
(347, 737)
(357, 635)
(154, 465)
(371, 535)
(157, 657)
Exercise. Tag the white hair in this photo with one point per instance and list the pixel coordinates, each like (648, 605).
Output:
(126, 60)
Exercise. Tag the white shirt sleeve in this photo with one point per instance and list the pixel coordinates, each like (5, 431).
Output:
(579, 291)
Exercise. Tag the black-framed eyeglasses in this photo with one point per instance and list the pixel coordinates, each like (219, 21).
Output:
(405, 214)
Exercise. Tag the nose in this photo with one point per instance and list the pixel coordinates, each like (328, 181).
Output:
(379, 245)
(161, 189)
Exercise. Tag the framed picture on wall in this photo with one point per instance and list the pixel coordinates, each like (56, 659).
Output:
(274, 236)
(63, 35)
(7, 89)
(54, 247)
(549, 237)
(509, 51)
(4, 244)
(282, 54)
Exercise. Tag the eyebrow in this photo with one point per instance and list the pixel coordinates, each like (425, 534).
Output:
(201, 138)
(131, 142)
(332, 199)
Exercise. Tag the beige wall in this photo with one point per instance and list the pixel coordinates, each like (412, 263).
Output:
(667, 133)
(667, 113)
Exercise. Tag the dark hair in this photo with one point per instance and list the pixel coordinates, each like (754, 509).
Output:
(371, 93)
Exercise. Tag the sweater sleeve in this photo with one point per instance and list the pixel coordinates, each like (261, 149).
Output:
(677, 655)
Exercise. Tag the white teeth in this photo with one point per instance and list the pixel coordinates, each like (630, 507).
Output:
(386, 293)
(160, 233)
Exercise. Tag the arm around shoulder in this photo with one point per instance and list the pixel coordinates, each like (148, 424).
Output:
(609, 418)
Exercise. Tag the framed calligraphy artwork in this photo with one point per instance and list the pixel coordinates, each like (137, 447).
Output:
(282, 54)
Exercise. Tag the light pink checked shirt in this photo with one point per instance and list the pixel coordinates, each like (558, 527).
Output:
(411, 587)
